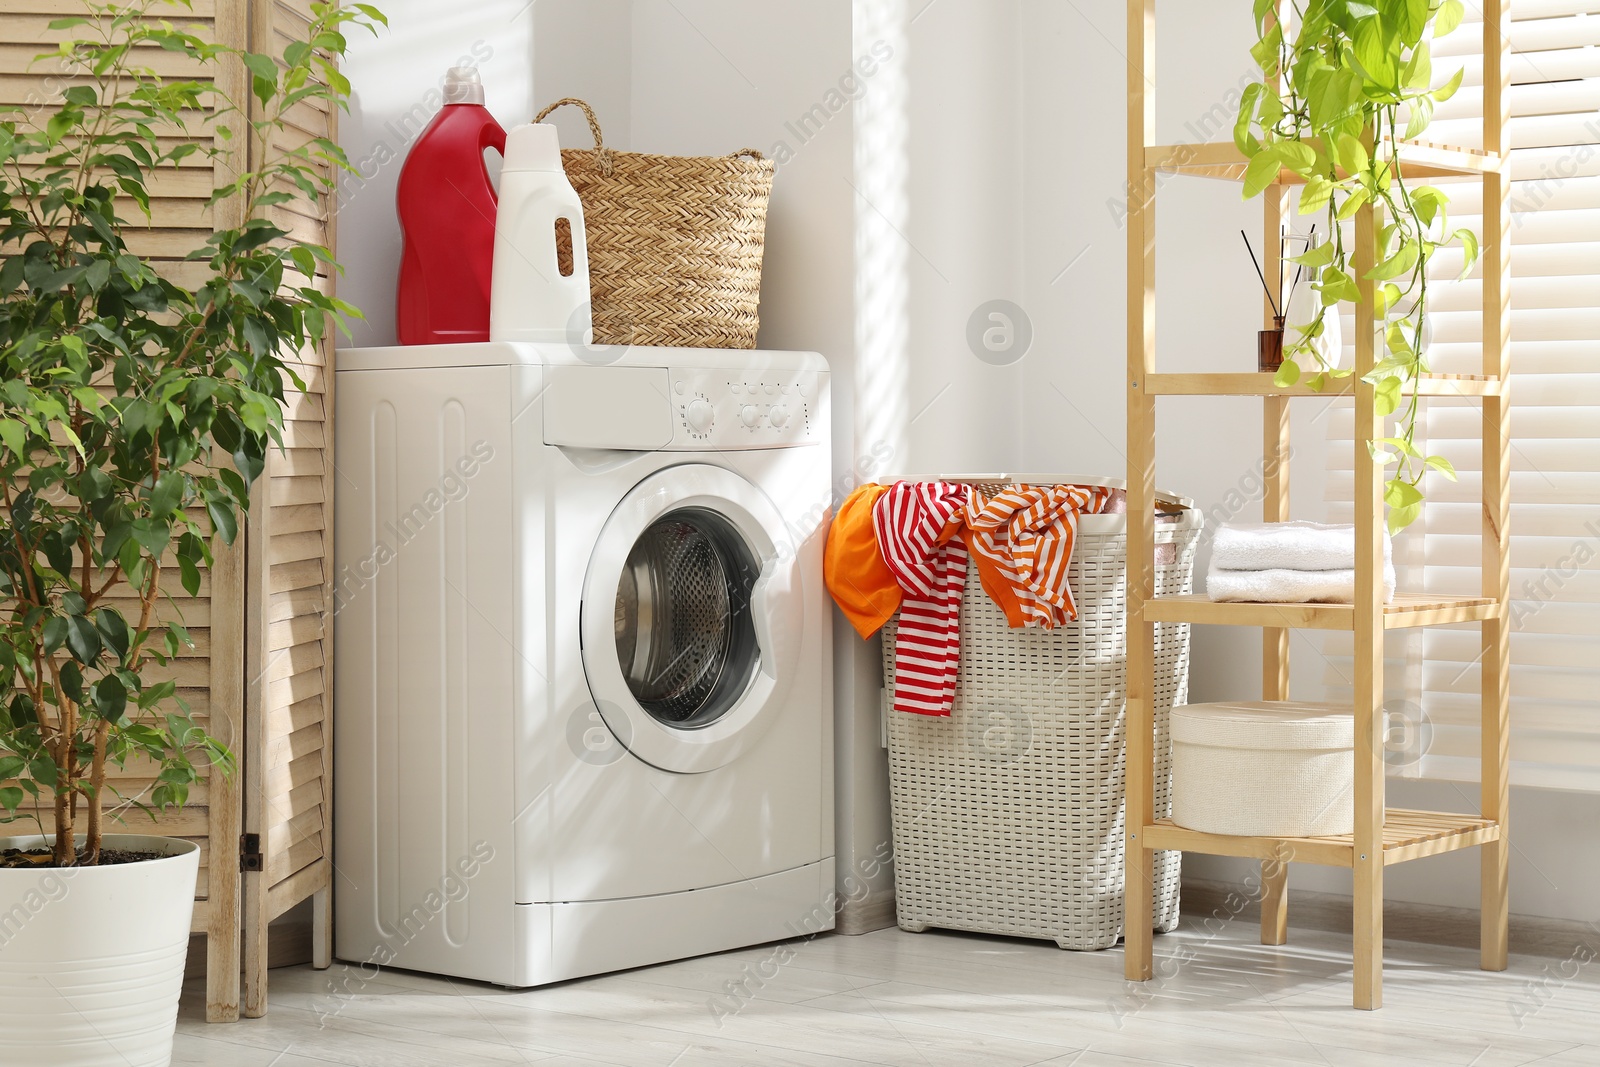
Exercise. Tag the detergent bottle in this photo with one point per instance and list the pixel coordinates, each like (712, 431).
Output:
(541, 260)
(447, 220)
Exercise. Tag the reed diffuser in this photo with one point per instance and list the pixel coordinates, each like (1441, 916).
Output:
(1269, 343)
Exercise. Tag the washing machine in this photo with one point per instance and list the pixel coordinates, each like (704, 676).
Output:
(582, 657)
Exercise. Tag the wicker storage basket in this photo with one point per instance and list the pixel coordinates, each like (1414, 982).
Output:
(1008, 815)
(675, 242)
(1279, 769)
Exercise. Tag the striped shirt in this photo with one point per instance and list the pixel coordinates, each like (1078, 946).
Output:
(1022, 540)
(917, 524)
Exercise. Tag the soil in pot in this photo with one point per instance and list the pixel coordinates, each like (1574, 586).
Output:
(43, 857)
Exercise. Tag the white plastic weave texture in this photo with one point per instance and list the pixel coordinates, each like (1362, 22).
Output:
(1008, 815)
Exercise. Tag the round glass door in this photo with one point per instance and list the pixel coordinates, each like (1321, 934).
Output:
(686, 641)
(692, 617)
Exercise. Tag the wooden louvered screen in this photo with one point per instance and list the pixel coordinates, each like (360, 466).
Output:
(289, 631)
(260, 673)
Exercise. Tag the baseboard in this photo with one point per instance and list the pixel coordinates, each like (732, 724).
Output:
(865, 916)
(1431, 924)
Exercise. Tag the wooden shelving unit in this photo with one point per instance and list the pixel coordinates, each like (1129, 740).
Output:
(1382, 835)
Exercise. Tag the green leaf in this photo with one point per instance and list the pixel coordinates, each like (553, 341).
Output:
(14, 435)
(1315, 196)
(1419, 118)
(1402, 262)
(1449, 88)
(1296, 155)
(167, 495)
(1418, 72)
(1449, 17)
(1469, 245)
(1353, 203)
(189, 575)
(1399, 493)
(1400, 444)
(114, 629)
(1386, 396)
(223, 521)
(1442, 465)
(1352, 155)
(1400, 518)
(111, 698)
(55, 633)
(1287, 375)
(1262, 172)
(1426, 202)
(10, 798)
(1375, 55)
(43, 771)
(1318, 255)
(83, 639)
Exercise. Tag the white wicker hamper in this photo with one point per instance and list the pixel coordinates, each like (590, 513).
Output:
(1008, 815)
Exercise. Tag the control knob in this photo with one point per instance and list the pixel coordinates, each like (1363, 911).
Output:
(779, 416)
(700, 415)
(750, 415)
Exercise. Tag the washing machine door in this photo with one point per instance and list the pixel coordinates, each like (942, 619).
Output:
(691, 620)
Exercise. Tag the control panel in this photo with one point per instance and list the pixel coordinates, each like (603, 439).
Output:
(727, 409)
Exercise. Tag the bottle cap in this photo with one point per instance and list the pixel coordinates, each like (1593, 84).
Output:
(463, 86)
(532, 146)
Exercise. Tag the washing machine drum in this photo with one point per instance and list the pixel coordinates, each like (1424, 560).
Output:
(685, 639)
(692, 618)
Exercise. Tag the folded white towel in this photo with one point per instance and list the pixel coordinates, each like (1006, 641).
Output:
(1284, 586)
(1295, 546)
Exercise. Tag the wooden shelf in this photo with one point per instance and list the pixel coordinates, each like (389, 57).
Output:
(1223, 160)
(1407, 835)
(1380, 837)
(1261, 384)
(1408, 610)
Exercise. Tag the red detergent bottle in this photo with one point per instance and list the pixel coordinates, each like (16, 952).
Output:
(447, 208)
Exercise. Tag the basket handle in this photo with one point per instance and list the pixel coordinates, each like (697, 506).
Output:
(601, 152)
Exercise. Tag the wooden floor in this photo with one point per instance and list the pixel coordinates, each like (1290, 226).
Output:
(939, 999)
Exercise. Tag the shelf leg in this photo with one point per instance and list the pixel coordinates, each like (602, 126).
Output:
(1138, 861)
(1368, 993)
(1368, 688)
(1274, 902)
(1496, 676)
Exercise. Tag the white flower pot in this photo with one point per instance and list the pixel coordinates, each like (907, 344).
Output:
(91, 959)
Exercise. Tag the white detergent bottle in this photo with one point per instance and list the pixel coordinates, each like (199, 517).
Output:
(534, 295)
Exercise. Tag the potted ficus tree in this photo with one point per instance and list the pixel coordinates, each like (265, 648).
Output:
(1343, 83)
(135, 413)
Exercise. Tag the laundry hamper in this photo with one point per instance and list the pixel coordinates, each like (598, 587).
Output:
(1008, 815)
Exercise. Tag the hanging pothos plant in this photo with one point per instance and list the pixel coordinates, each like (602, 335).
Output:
(1354, 79)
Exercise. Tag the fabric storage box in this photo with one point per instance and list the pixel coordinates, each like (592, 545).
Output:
(1008, 815)
(1279, 769)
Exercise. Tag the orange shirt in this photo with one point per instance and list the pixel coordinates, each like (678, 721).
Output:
(853, 566)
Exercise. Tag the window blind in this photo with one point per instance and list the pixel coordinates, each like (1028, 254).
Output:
(1555, 419)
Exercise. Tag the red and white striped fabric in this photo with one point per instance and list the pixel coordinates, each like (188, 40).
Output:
(1023, 538)
(918, 526)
